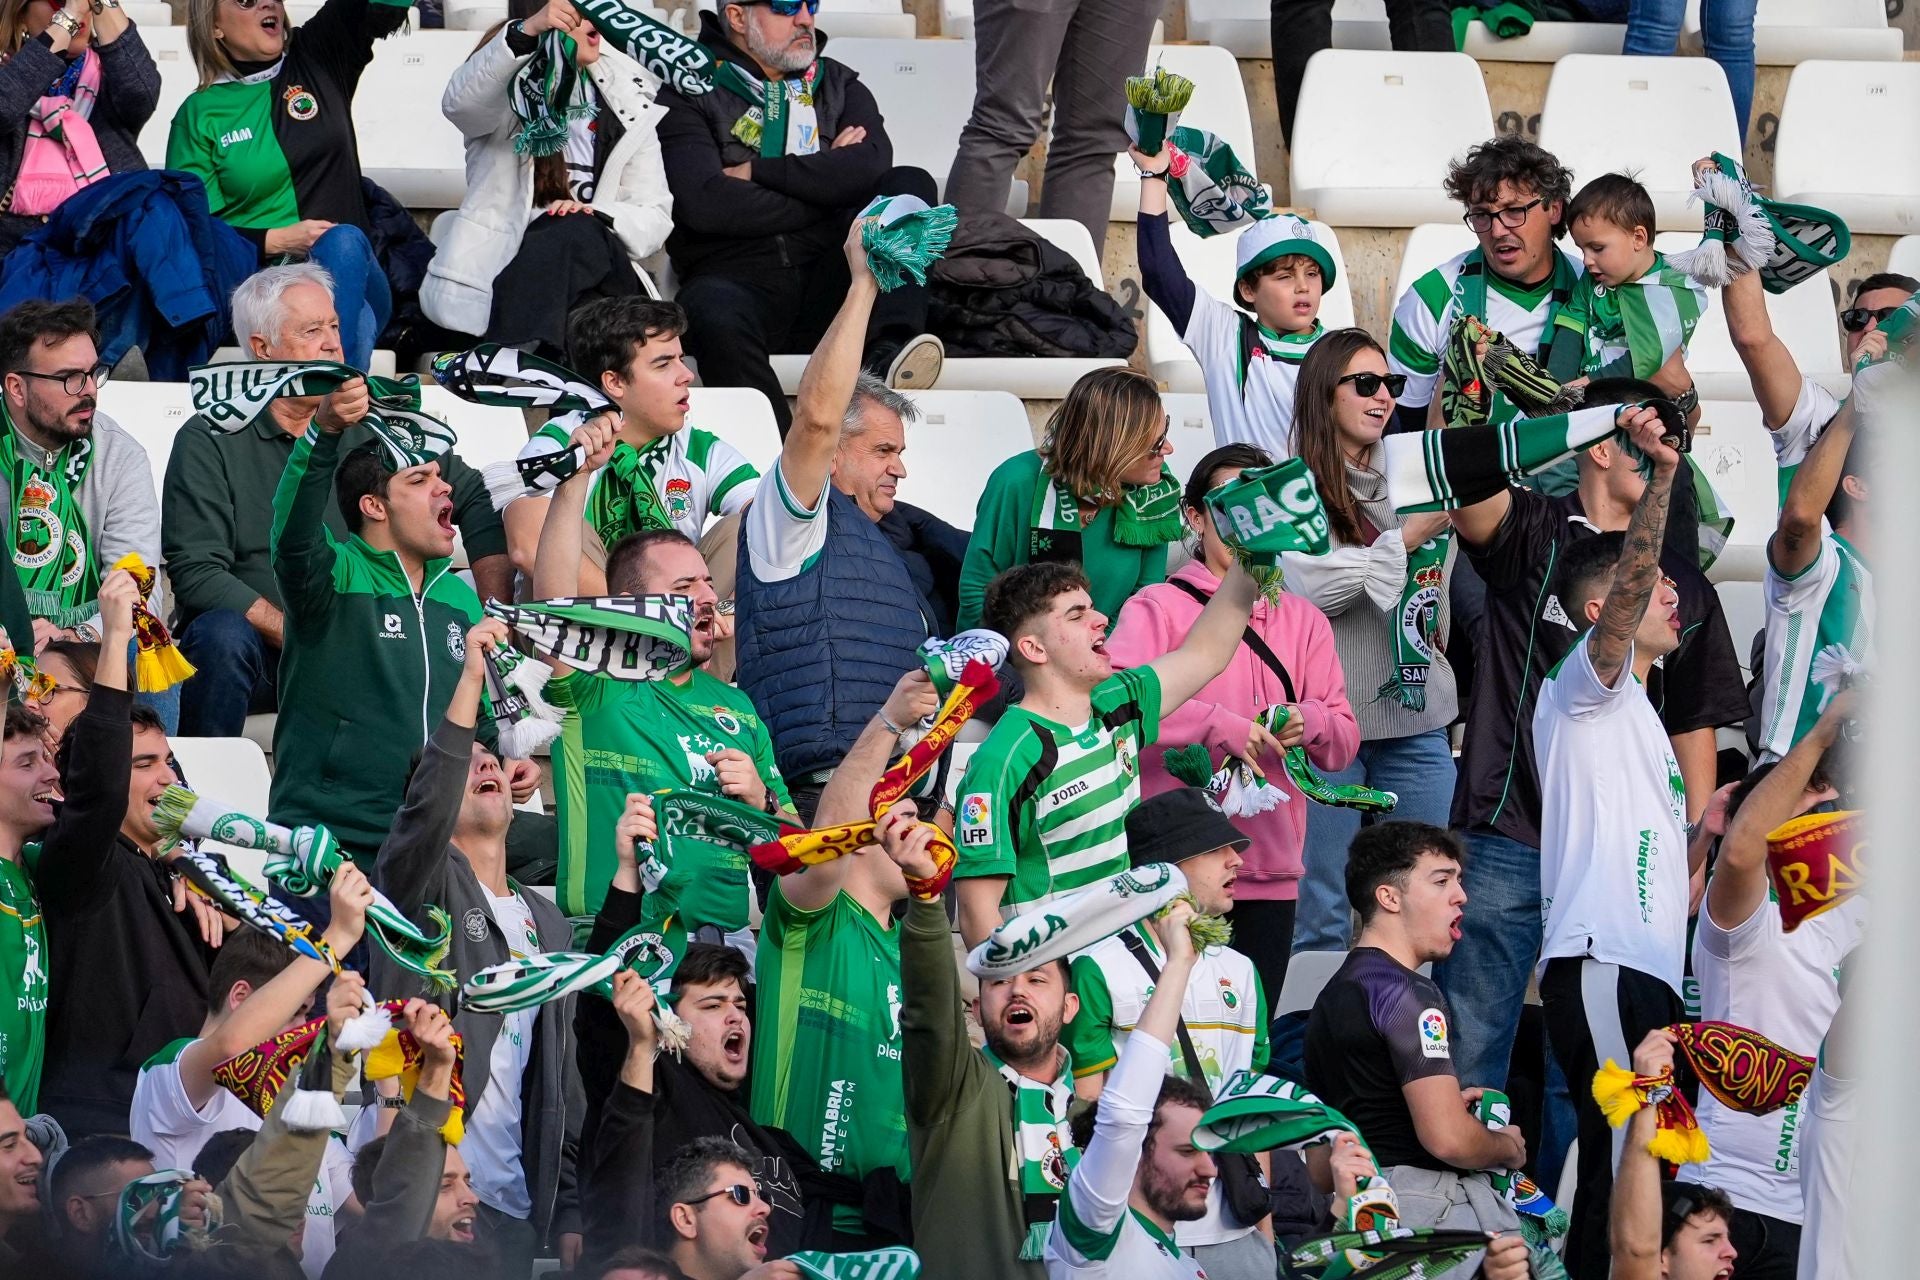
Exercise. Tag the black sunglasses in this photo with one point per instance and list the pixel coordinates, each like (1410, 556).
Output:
(740, 1193)
(1368, 383)
(1854, 319)
(1513, 216)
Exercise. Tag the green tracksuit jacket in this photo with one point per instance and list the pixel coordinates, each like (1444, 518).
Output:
(368, 667)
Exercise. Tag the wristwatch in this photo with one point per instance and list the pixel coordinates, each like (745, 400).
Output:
(101, 6)
(67, 23)
(1144, 174)
(394, 1103)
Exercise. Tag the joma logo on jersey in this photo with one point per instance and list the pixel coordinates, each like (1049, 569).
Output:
(1067, 792)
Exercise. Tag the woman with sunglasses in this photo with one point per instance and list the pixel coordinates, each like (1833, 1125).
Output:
(1098, 493)
(270, 133)
(548, 224)
(1382, 618)
(1298, 666)
(83, 67)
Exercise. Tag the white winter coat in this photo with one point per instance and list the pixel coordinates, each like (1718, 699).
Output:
(483, 235)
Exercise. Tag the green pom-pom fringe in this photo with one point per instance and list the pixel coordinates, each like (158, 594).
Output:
(1190, 764)
(170, 814)
(1411, 696)
(541, 137)
(904, 248)
(1161, 93)
(1206, 931)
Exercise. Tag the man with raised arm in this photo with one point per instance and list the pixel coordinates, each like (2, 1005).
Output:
(1660, 1230)
(1613, 849)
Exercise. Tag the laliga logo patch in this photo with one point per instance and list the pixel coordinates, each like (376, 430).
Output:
(976, 819)
(1433, 1033)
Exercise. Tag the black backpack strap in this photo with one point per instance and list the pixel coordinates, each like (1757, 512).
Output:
(1138, 950)
(1250, 638)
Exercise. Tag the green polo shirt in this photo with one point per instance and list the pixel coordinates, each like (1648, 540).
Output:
(216, 513)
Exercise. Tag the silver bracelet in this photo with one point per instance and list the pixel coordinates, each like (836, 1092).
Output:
(892, 728)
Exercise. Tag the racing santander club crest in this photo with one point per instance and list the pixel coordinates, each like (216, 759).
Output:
(301, 104)
(678, 497)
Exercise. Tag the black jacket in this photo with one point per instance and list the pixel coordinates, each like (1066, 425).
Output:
(1001, 290)
(128, 973)
(933, 551)
(796, 207)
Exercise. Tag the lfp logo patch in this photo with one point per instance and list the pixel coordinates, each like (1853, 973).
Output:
(976, 819)
(1433, 1033)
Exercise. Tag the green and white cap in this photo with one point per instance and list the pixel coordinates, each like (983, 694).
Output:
(1278, 237)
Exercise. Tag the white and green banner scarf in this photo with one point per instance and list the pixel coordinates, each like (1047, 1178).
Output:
(1269, 511)
(626, 637)
(303, 861)
(241, 900)
(1236, 789)
(895, 1263)
(1746, 231)
(1148, 516)
(1631, 330)
(905, 237)
(1210, 189)
(547, 94)
(782, 123)
(531, 981)
(1541, 1220)
(1075, 921)
(147, 1227)
(678, 61)
(1340, 795)
(1044, 1139)
(1389, 1252)
(1254, 1113)
(504, 378)
(231, 396)
(1454, 467)
(1416, 623)
(47, 536)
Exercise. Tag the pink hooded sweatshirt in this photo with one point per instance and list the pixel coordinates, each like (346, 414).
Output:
(1155, 620)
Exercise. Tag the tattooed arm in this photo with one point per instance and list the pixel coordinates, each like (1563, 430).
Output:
(1638, 572)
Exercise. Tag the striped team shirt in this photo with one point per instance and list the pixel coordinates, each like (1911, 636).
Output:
(1046, 804)
(695, 473)
(1830, 602)
(1632, 329)
(1425, 314)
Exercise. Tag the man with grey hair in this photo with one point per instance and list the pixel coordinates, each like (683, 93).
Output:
(837, 583)
(217, 510)
(757, 222)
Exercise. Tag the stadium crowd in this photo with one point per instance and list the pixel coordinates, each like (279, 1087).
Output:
(918, 901)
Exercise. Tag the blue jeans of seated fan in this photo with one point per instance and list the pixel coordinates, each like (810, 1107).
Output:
(1726, 30)
(360, 292)
(1419, 769)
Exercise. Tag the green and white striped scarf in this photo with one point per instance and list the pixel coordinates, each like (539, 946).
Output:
(531, 981)
(774, 124)
(146, 1222)
(1255, 1112)
(905, 237)
(1632, 329)
(231, 396)
(1746, 231)
(303, 861)
(1454, 467)
(1154, 104)
(547, 94)
(1044, 1141)
(680, 62)
(626, 637)
(1148, 516)
(894, 1263)
(1075, 921)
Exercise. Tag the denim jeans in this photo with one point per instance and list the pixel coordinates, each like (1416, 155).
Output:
(235, 671)
(1485, 979)
(1419, 769)
(360, 292)
(1726, 30)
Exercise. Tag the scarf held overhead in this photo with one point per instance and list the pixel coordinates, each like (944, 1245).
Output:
(1255, 1112)
(531, 981)
(1075, 921)
(679, 61)
(230, 396)
(1743, 1069)
(147, 1223)
(903, 236)
(626, 637)
(1211, 190)
(158, 664)
(1745, 231)
(504, 378)
(1816, 862)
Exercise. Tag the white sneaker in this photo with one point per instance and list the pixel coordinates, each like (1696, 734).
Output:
(917, 366)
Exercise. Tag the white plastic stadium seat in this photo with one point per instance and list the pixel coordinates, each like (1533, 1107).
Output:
(406, 144)
(1219, 106)
(168, 45)
(924, 89)
(1803, 317)
(1650, 116)
(1209, 261)
(235, 771)
(742, 417)
(1374, 133)
(1029, 377)
(1786, 32)
(1849, 142)
(147, 14)
(1245, 29)
(1429, 245)
(1307, 975)
(960, 438)
(1189, 430)
(1732, 449)
(1905, 257)
(152, 413)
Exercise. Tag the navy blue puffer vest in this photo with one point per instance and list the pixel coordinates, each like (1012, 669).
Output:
(820, 652)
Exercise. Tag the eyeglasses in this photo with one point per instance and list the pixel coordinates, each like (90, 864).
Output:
(1368, 383)
(1854, 319)
(1159, 448)
(74, 382)
(740, 1193)
(1482, 219)
(45, 689)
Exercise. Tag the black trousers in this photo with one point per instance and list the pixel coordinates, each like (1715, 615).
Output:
(1302, 28)
(1769, 1247)
(735, 322)
(1596, 1011)
(1263, 933)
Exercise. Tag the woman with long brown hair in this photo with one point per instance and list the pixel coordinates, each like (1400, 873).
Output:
(1384, 588)
(1097, 493)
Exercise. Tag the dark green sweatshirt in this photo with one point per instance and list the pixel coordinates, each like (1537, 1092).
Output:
(216, 512)
(368, 667)
(967, 1220)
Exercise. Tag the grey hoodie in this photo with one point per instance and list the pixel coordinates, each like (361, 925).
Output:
(418, 864)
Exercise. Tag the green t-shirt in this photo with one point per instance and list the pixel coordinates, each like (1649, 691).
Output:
(826, 1050)
(23, 987)
(648, 736)
(1047, 804)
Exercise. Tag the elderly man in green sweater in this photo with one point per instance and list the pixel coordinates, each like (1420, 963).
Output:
(987, 1128)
